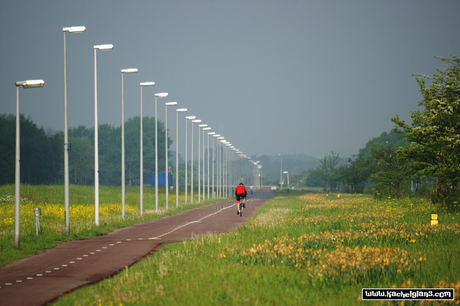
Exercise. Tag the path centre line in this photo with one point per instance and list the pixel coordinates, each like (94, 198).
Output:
(191, 222)
(104, 247)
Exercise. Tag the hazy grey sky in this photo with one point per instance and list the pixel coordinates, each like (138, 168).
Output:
(271, 76)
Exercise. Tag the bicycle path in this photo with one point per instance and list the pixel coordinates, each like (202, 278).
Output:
(43, 278)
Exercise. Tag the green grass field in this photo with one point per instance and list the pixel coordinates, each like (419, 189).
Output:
(307, 249)
(82, 214)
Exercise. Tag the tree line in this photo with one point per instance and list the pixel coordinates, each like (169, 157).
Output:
(42, 156)
(423, 156)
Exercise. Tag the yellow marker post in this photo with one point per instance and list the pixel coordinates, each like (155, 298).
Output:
(434, 219)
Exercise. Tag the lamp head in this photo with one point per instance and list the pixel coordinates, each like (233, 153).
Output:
(129, 70)
(148, 84)
(104, 47)
(31, 83)
(161, 94)
(170, 103)
(181, 110)
(77, 29)
(190, 117)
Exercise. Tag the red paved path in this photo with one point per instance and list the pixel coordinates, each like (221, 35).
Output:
(40, 279)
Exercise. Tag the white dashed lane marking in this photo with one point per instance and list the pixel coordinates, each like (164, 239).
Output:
(119, 242)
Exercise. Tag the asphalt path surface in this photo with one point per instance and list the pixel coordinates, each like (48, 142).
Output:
(43, 278)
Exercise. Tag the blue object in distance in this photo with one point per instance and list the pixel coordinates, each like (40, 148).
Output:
(162, 179)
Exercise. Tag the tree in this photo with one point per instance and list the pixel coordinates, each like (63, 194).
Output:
(327, 168)
(435, 130)
(359, 171)
(7, 148)
(393, 171)
(314, 179)
(81, 161)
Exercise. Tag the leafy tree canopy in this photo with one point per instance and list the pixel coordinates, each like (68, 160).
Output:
(435, 130)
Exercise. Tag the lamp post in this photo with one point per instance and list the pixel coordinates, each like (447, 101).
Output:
(78, 29)
(233, 167)
(199, 159)
(281, 171)
(287, 172)
(96, 133)
(166, 149)
(191, 168)
(209, 133)
(219, 168)
(256, 177)
(186, 156)
(213, 163)
(17, 214)
(157, 95)
(224, 169)
(227, 144)
(123, 193)
(260, 176)
(177, 153)
(204, 165)
(227, 176)
(142, 152)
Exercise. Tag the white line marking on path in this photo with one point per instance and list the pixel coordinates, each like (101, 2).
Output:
(191, 222)
(140, 239)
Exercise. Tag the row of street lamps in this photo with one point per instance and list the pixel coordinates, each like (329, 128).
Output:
(222, 177)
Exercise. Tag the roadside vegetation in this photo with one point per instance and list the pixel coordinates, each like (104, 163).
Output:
(82, 224)
(417, 157)
(297, 250)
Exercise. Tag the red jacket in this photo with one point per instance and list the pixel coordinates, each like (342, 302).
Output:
(240, 189)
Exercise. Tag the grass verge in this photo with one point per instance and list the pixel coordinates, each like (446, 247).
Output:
(310, 249)
(82, 211)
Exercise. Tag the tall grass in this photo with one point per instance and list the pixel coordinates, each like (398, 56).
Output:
(82, 221)
(297, 250)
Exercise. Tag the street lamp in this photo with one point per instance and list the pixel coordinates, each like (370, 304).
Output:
(287, 172)
(179, 110)
(204, 166)
(281, 171)
(191, 157)
(123, 194)
(256, 174)
(233, 167)
(199, 159)
(213, 162)
(17, 215)
(210, 133)
(227, 176)
(96, 133)
(260, 176)
(224, 169)
(186, 156)
(78, 29)
(142, 152)
(157, 95)
(166, 149)
(219, 168)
